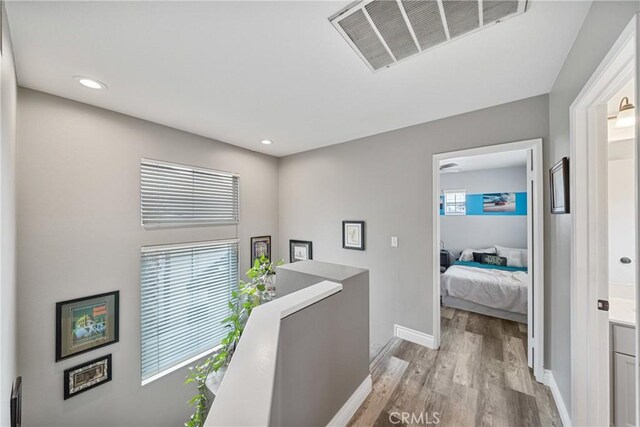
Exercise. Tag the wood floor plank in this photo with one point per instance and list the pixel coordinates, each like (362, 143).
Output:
(492, 348)
(547, 409)
(386, 419)
(447, 312)
(510, 328)
(378, 365)
(522, 409)
(468, 360)
(459, 319)
(516, 370)
(442, 374)
(408, 396)
(462, 408)
(370, 410)
(491, 406)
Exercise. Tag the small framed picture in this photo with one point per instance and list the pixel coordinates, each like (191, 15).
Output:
(16, 403)
(559, 183)
(260, 246)
(87, 376)
(353, 235)
(84, 324)
(300, 250)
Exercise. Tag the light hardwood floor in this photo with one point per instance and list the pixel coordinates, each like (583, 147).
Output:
(478, 377)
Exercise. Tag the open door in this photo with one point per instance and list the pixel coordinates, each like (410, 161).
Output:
(637, 216)
(530, 261)
(535, 232)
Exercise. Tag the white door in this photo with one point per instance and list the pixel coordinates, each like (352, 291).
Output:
(530, 259)
(637, 162)
(535, 255)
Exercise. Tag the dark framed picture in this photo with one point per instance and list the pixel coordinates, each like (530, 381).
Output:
(300, 250)
(84, 324)
(87, 376)
(260, 246)
(353, 235)
(559, 183)
(16, 403)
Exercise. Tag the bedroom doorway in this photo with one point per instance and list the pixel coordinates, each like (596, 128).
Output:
(488, 246)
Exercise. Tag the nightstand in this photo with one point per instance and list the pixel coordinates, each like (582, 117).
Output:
(445, 260)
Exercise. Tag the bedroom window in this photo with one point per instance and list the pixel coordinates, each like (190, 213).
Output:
(455, 202)
(184, 290)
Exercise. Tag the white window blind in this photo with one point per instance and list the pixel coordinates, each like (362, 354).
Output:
(173, 194)
(185, 291)
(455, 202)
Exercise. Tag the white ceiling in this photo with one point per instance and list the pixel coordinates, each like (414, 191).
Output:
(244, 71)
(507, 159)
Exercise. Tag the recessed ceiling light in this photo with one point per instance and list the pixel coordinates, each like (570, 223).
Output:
(266, 142)
(90, 83)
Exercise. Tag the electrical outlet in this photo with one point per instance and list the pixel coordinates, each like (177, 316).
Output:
(394, 241)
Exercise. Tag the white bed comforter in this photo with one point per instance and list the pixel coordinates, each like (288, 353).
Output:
(505, 290)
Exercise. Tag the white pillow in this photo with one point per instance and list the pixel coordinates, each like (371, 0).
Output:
(467, 254)
(516, 257)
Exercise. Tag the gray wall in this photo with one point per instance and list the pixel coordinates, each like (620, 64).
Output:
(8, 292)
(318, 372)
(79, 233)
(386, 180)
(602, 26)
(459, 232)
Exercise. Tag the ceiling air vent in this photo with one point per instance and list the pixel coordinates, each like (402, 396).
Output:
(385, 32)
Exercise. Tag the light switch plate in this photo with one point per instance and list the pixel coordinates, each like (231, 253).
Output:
(394, 241)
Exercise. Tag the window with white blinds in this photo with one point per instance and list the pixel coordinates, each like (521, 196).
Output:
(173, 194)
(185, 291)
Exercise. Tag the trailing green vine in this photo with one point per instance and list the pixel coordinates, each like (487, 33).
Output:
(248, 296)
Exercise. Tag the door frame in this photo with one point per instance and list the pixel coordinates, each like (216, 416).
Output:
(535, 239)
(590, 371)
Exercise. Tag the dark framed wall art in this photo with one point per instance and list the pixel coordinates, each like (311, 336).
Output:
(260, 246)
(84, 324)
(300, 250)
(559, 183)
(353, 235)
(87, 376)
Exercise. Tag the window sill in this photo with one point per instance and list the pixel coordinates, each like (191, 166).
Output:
(180, 365)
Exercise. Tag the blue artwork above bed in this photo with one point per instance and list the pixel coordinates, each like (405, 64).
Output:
(476, 204)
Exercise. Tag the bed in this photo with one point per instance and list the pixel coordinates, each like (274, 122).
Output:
(497, 291)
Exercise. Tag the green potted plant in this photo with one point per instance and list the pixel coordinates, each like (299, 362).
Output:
(248, 296)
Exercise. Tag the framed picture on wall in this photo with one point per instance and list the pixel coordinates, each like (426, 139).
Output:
(260, 246)
(84, 324)
(353, 235)
(499, 202)
(87, 376)
(559, 183)
(300, 250)
(16, 403)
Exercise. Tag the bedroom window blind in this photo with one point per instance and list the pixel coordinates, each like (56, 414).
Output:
(173, 194)
(184, 293)
(455, 202)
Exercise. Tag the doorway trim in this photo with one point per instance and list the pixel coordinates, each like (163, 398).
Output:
(590, 375)
(535, 240)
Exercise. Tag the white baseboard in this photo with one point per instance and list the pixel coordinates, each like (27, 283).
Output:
(351, 406)
(557, 397)
(414, 336)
